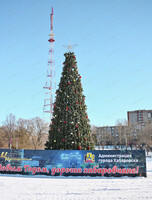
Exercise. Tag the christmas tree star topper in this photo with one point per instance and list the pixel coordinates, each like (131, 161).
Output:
(70, 47)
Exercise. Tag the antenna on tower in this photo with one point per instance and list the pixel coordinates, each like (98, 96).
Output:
(50, 85)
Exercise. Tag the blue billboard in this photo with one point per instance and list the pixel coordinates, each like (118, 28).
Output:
(73, 162)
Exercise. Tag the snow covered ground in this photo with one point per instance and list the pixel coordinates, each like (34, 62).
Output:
(48, 188)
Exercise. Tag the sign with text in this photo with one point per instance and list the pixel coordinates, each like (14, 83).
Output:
(73, 162)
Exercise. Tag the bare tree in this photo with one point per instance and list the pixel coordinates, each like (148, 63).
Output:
(122, 132)
(38, 131)
(22, 137)
(145, 138)
(23, 134)
(9, 128)
(114, 138)
(2, 138)
(134, 133)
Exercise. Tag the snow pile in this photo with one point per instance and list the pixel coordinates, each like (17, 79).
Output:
(48, 188)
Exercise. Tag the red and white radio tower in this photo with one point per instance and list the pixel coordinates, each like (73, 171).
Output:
(50, 84)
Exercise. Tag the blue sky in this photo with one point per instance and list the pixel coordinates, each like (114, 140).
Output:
(114, 40)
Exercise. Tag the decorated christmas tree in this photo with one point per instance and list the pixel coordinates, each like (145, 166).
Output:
(70, 128)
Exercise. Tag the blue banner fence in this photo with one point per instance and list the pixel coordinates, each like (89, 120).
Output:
(73, 162)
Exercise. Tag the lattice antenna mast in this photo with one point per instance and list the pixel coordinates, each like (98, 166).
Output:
(50, 84)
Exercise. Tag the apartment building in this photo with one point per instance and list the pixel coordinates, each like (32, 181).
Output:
(107, 135)
(139, 117)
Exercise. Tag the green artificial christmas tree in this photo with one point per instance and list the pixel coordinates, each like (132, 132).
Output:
(70, 128)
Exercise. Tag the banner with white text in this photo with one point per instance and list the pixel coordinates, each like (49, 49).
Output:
(73, 162)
